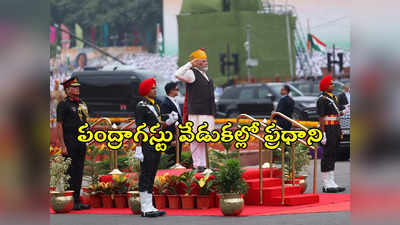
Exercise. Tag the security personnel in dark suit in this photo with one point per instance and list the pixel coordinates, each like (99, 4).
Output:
(329, 111)
(286, 107)
(148, 111)
(167, 106)
(72, 113)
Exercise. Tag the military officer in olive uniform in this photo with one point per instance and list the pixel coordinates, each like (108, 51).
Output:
(148, 111)
(72, 113)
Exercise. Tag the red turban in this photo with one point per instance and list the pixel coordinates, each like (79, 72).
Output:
(146, 86)
(325, 82)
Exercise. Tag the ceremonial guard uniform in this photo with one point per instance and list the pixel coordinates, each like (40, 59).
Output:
(72, 113)
(329, 111)
(148, 111)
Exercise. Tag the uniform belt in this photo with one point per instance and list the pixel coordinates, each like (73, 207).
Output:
(331, 122)
(331, 118)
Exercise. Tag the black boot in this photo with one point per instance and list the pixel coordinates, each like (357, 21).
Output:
(76, 206)
(330, 190)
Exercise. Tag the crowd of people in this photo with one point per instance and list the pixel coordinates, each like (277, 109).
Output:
(62, 69)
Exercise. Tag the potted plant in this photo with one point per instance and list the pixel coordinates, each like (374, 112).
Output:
(217, 158)
(95, 197)
(301, 161)
(187, 178)
(62, 201)
(133, 194)
(230, 183)
(205, 186)
(106, 190)
(173, 197)
(120, 189)
(160, 191)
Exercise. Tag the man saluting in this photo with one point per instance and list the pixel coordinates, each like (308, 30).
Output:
(199, 100)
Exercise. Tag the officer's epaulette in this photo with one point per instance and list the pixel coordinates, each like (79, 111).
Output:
(142, 103)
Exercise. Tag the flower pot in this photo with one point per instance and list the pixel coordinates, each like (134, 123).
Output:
(120, 201)
(160, 201)
(231, 204)
(62, 202)
(106, 201)
(299, 181)
(302, 181)
(95, 201)
(217, 197)
(134, 202)
(187, 201)
(212, 196)
(85, 197)
(174, 201)
(203, 201)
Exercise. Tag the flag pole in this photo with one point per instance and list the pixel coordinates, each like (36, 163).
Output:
(311, 50)
(89, 43)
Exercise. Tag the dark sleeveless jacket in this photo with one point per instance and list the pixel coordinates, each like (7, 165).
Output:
(201, 100)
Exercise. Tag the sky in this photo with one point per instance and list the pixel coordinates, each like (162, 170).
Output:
(329, 20)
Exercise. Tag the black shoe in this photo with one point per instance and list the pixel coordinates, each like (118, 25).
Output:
(153, 214)
(330, 190)
(76, 206)
(341, 189)
(84, 206)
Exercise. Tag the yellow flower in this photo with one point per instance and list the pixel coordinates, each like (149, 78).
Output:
(115, 177)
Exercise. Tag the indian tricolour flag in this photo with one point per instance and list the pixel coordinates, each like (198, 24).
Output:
(315, 44)
(160, 41)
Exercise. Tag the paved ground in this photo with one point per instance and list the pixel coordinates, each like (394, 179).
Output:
(340, 218)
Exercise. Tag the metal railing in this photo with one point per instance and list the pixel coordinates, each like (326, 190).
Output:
(282, 150)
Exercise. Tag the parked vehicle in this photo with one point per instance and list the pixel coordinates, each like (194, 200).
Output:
(259, 100)
(114, 93)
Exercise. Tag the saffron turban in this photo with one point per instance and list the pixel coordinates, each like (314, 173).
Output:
(198, 54)
(146, 86)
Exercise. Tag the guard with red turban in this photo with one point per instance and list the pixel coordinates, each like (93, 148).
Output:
(329, 111)
(148, 111)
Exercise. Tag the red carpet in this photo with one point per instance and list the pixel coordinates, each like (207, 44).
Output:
(327, 203)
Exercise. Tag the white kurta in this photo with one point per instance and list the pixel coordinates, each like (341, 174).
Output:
(186, 75)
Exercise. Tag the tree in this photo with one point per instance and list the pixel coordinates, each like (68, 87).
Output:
(121, 15)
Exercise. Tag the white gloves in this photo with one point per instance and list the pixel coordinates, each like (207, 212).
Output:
(323, 141)
(138, 154)
(173, 117)
(347, 109)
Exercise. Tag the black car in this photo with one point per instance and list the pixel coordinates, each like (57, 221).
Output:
(114, 93)
(259, 100)
(311, 87)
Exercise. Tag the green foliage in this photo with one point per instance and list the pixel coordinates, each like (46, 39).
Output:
(120, 184)
(92, 167)
(217, 158)
(58, 172)
(172, 184)
(302, 159)
(228, 178)
(206, 185)
(186, 159)
(133, 163)
(187, 178)
(121, 16)
(163, 161)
